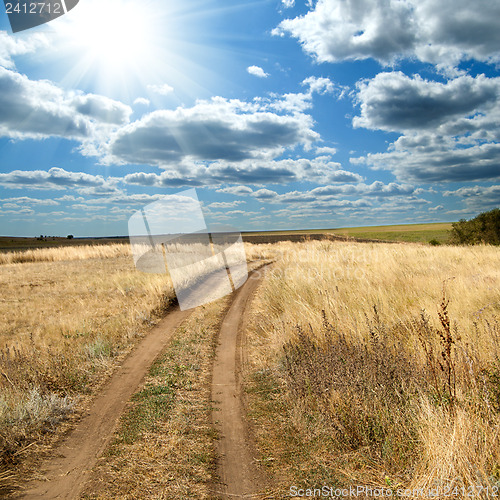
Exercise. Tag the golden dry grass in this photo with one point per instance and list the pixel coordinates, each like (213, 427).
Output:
(65, 253)
(339, 379)
(63, 323)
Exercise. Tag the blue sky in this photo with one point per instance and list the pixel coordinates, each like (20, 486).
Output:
(283, 115)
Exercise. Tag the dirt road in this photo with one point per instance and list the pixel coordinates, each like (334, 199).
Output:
(237, 470)
(65, 473)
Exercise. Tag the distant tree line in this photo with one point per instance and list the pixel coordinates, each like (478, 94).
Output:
(485, 228)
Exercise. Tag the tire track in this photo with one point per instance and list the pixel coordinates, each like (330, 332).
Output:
(238, 473)
(66, 472)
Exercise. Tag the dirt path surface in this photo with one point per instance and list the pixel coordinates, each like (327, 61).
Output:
(237, 470)
(66, 473)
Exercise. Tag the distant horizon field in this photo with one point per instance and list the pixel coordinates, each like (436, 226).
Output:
(399, 232)
(438, 231)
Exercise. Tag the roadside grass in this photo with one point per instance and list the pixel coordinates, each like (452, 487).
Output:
(63, 325)
(165, 444)
(361, 372)
(67, 253)
(65, 320)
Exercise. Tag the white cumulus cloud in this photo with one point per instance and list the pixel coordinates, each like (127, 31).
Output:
(442, 33)
(257, 71)
(163, 89)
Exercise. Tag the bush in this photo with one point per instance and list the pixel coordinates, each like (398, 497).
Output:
(485, 228)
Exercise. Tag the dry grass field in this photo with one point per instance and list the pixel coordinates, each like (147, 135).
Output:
(66, 316)
(378, 364)
(367, 364)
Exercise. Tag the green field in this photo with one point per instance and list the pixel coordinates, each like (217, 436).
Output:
(406, 232)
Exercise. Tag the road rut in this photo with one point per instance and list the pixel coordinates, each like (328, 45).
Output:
(237, 469)
(66, 472)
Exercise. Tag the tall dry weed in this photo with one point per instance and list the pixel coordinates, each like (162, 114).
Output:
(65, 253)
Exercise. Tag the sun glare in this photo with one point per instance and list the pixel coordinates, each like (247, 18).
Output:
(112, 38)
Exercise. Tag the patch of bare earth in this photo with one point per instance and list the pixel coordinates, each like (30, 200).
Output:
(239, 472)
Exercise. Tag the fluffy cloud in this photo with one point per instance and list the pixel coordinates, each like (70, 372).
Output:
(142, 101)
(478, 198)
(431, 158)
(338, 29)
(55, 178)
(451, 130)
(211, 130)
(365, 199)
(39, 109)
(163, 89)
(321, 85)
(131, 199)
(225, 204)
(454, 30)
(377, 190)
(102, 109)
(13, 46)
(298, 102)
(395, 102)
(254, 172)
(442, 32)
(326, 151)
(25, 200)
(236, 190)
(257, 71)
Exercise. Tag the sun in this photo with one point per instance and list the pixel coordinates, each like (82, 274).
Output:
(112, 39)
(114, 34)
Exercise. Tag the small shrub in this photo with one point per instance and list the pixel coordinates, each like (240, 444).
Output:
(22, 420)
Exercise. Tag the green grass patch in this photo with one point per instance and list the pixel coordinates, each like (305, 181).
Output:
(413, 233)
(416, 233)
(153, 404)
